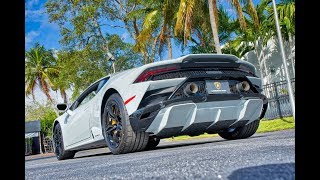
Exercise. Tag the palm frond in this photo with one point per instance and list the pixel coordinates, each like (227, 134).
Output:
(253, 13)
(40, 69)
(150, 22)
(188, 21)
(181, 16)
(30, 86)
(237, 5)
(45, 88)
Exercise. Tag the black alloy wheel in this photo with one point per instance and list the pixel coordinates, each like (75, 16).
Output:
(114, 124)
(117, 130)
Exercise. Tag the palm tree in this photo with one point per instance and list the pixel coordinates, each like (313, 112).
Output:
(39, 70)
(227, 26)
(157, 25)
(184, 22)
(252, 12)
(265, 31)
(237, 5)
(188, 11)
(258, 31)
(61, 85)
(286, 11)
(214, 26)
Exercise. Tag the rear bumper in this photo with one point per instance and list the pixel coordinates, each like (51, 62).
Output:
(198, 115)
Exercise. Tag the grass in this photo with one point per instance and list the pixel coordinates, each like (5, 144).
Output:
(276, 125)
(265, 126)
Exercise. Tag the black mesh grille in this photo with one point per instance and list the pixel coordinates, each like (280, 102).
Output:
(236, 73)
(180, 74)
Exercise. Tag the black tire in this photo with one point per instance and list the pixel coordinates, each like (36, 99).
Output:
(128, 140)
(58, 145)
(241, 132)
(152, 143)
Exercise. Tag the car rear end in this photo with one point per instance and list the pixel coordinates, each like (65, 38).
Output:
(198, 93)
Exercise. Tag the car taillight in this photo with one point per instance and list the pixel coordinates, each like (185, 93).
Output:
(145, 75)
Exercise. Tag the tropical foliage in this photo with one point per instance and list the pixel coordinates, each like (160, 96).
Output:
(286, 11)
(45, 113)
(89, 35)
(40, 68)
(46, 123)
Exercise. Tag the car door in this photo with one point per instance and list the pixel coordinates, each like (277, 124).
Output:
(77, 121)
(95, 121)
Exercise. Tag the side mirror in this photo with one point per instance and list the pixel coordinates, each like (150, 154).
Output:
(62, 107)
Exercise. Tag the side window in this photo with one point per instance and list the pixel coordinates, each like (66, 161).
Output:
(101, 84)
(89, 94)
(87, 98)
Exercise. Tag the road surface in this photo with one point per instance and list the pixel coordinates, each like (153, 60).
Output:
(263, 156)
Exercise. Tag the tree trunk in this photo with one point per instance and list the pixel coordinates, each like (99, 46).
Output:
(260, 65)
(290, 40)
(134, 35)
(64, 96)
(214, 27)
(242, 22)
(282, 76)
(106, 46)
(290, 45)
(258, 57)
(216, 13)
(252, 11)
(265, 66)
(145, 57)
(264, 63)
(169, 46)
(153, 48)
(45, 89)
(267, 92)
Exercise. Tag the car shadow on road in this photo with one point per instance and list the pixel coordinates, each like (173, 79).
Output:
(182, 143)
(38, 158)
(174, 144)
(265, 172)
(93, 155)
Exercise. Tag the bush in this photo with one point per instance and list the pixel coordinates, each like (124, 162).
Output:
(43, 112)
(47, 122)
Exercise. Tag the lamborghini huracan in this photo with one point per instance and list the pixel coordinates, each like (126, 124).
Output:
(132, 110)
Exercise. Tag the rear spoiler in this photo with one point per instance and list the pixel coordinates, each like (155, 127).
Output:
(209, 58)
(216, 61)
(199, 61)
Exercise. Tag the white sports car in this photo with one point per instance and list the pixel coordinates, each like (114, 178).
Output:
(132, 110)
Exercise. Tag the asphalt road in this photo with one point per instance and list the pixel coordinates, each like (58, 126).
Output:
(263, 156)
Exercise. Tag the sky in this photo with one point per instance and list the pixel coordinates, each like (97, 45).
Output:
(39, 29)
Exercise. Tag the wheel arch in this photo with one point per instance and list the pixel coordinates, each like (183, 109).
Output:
(106, 95)
(54, 125)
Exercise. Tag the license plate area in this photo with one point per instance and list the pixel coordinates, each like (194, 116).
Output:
(217, 87)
